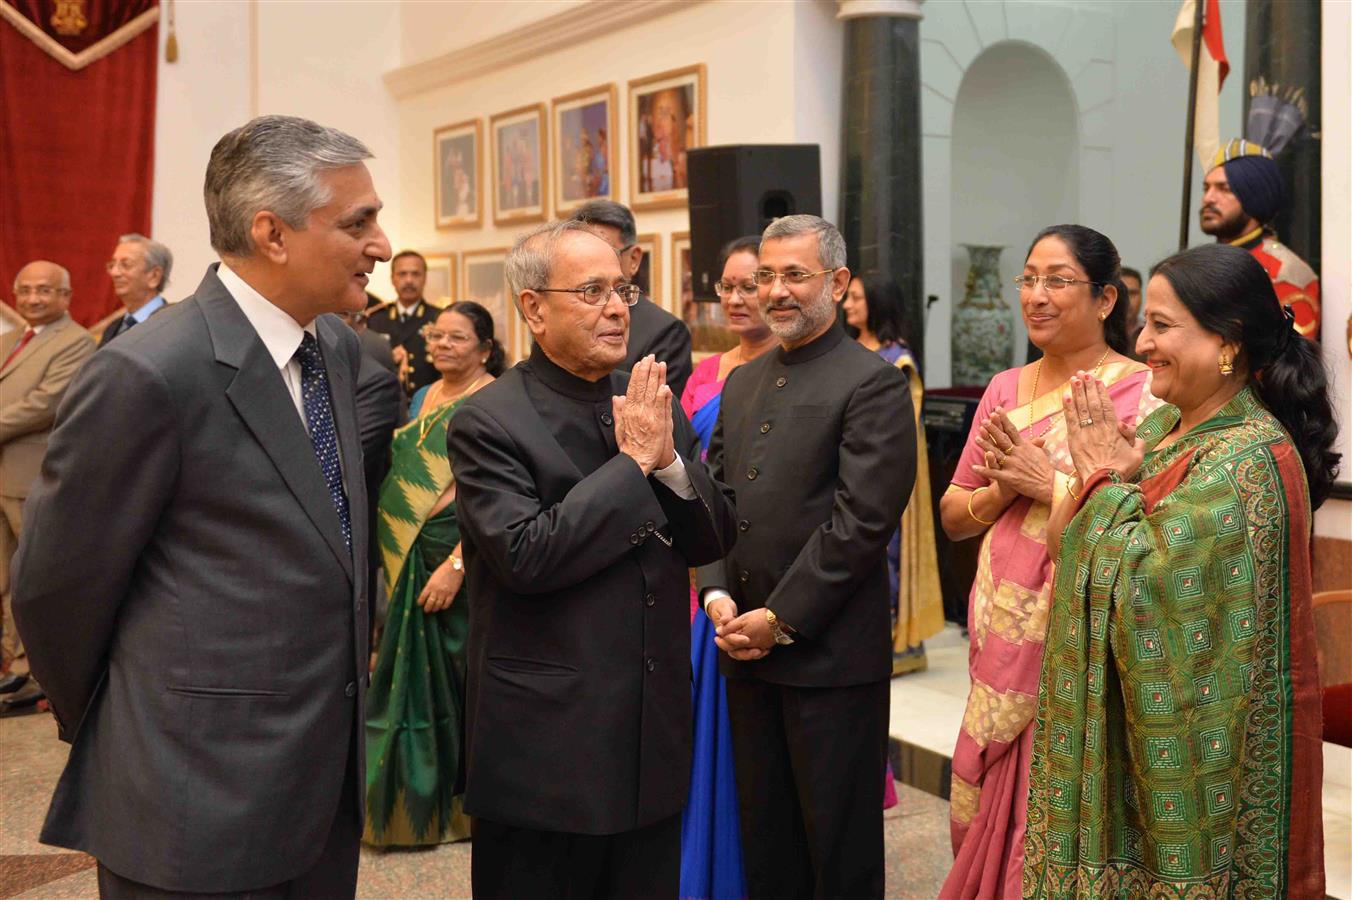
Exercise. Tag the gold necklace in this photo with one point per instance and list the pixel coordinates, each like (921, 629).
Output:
(430, 406)
(1037, 374)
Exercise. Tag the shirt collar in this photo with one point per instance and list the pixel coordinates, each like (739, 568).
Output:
(406, 310)
(151, 306)
(280, 333)
(564, 382)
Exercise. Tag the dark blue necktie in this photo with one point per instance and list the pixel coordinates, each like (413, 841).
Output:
(129, 322)
(314, 389)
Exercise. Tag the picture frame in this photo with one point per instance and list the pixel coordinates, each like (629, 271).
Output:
(484, 280)
(457, 155)
(443, 285)
(583, 142)
(520, 182)
(681, 302)
(649, 274)
(667, 117)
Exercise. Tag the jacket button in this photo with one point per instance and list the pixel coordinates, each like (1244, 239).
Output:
(650, 599)
(743, 525)
(633, 538)
(751, 473)
(765, 428)
(607, 419)
(744, 576)
(652, 664)
(351, 689)
(781, 381)
(649, 527)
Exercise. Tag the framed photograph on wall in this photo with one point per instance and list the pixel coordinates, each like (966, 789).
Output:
(666, 119)
(484, 280)
(520, 178)
(649, 274)
(681, 299)
(457, 151)
(583, 140)
(442, 284)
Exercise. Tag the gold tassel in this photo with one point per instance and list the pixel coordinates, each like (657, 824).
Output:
(171, 44)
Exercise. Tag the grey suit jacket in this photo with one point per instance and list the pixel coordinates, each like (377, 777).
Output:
(190, 607)
(31, 386)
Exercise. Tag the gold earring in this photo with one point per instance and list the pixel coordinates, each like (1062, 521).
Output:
(428, 356)
(1226, 364)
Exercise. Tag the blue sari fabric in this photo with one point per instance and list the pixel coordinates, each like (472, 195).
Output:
(711, 839)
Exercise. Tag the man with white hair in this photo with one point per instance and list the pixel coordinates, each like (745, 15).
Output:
(201, 517)
(818, 440)
(37, 364)
(139, 268)
(582, 503)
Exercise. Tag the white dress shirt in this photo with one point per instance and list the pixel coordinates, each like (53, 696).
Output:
(280, 333)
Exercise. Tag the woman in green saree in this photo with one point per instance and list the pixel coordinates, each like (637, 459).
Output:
(1177, 751)
(415, 707)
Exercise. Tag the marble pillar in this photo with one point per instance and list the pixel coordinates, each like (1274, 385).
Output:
(880, 200)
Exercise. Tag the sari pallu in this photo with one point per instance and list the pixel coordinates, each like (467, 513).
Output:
(1007, 617)
(1177, 750)
(415, 705)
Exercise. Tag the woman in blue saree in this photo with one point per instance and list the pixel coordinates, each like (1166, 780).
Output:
(711, 844)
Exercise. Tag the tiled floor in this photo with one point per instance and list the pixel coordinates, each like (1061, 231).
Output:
(926, 712)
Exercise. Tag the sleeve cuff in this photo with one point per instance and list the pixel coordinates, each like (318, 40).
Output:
(712, 594)
(677, 479)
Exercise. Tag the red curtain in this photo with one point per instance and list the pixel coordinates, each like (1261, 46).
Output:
(77, 147)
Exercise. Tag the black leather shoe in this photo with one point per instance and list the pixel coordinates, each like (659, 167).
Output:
(11, 683)
(22, 702)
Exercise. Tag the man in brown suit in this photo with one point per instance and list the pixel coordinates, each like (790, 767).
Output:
(36, 365)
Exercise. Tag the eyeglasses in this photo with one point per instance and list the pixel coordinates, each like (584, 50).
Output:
(1050, 282)
(766, 279)
(436, 336)
(121, 265)
(45, 291)
(746, 289)
(599, 294)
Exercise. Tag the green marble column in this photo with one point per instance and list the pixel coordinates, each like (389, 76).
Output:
(880, 195)
(1282, 46)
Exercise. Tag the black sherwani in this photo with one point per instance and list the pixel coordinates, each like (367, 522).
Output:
(578, 686)
(819, 445)
(407, 333)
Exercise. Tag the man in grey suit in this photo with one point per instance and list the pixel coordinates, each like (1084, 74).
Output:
(192, 581)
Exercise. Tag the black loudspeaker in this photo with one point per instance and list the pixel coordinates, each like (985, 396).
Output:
(947, 416)
(738, 189)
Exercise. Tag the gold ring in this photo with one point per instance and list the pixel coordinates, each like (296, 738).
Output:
(1086, 421)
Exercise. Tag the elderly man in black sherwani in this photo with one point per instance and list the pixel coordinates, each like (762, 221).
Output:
(582, 502)
(817, 439)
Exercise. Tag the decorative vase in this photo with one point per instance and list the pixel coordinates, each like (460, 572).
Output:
(983, 322)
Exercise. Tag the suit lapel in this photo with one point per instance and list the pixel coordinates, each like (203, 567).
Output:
(259, 395)
(47, 335)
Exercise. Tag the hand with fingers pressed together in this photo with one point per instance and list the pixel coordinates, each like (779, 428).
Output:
(746, 637)
(1014, 465)
(643, 422)
(1096, 438)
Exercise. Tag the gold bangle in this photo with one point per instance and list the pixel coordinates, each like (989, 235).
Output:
(970, 498)
(1070, 490)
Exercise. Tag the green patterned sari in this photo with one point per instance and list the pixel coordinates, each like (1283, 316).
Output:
(1177, 750)
(415, 707)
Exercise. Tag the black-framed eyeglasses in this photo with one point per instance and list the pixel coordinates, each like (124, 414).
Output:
(765, 278)
(1050, 282)
(746, 288)
(599, 294)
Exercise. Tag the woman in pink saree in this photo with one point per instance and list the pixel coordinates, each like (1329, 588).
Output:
(1014, 467)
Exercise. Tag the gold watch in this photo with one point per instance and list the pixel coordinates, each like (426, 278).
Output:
(457, 563)
(783, 634)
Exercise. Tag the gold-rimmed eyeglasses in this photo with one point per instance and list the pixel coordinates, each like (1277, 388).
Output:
(42, 290)
(599, 294)
(436, 336)
(794, 278)
(1050, 282)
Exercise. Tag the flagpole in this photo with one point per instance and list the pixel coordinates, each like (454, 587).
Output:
(1186, 215)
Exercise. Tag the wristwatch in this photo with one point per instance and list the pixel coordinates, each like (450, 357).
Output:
(457, 563)
(783, 633)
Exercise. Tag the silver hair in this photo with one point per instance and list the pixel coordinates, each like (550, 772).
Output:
(532, 256)
(156, 255)
(830, 245)
(272, 163)
(64, 272)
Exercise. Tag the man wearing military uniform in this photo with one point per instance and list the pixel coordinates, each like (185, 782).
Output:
(403, 320)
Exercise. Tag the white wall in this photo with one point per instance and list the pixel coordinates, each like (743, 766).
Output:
(239, 59)
(1335, 518)
(434, 27)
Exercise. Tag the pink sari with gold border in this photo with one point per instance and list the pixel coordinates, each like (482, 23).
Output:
(1007, 618)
